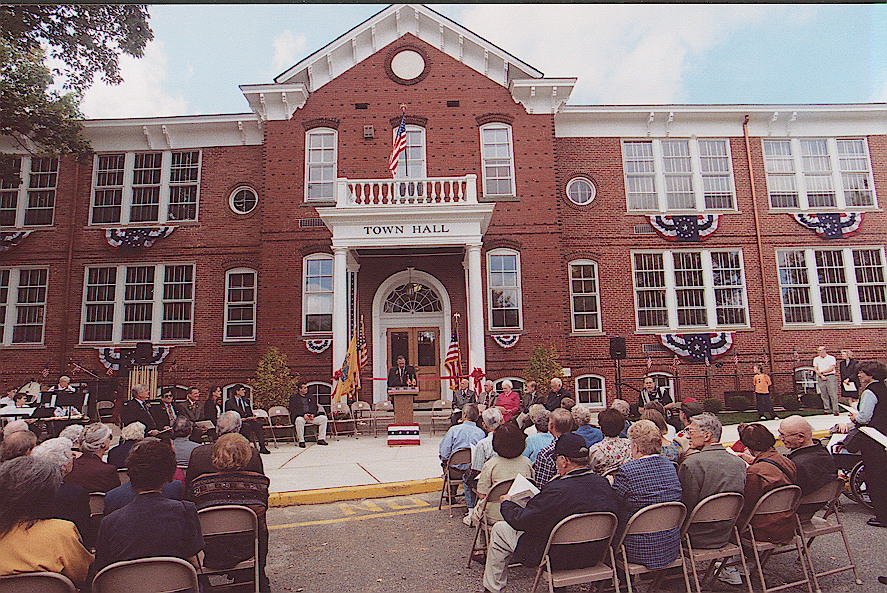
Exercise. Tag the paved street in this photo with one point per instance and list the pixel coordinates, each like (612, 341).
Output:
(406, 544)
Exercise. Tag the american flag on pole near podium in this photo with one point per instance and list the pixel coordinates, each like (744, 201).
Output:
(453, 363)
(400, 143)
(362, 354)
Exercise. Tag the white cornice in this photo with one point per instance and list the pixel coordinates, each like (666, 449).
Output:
(163, 133)
(275, 101)
(542, 95)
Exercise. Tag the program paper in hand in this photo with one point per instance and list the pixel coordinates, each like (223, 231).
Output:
(522, 490)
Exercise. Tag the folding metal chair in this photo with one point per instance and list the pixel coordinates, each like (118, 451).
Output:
(280, 420)
(162, 574)
(722, 507)
(37, 582)
(440, 414)
(226, 521)
(577, 529)
(265, 422)
(96, 510)
(383, 412)
(658, 517)
(342, 414)
(458, 457)
(363, 414)
(484, 524)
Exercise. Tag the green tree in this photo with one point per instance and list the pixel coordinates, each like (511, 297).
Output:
(544, 365)
(274, 381)
(82, 42)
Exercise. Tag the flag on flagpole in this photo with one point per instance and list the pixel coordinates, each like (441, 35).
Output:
(348, 376)
(453, 363)
(649, 361)
(400, 143)
(675, 361)
(735, 358)
(361, 351)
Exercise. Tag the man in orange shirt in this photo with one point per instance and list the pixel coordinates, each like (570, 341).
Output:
(762, 393)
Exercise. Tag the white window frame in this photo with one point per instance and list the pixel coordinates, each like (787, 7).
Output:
(242, 304)
(23, 192)
(306, 293)
(118, 304)
(485, 158)
(9, 306)
(596, 294)
(402, 171)
(228, 391)
(166, 186)
(329, 386)
(671, 292)
(520, 314)
(309, 165)
(697, 176)
(808, 380)
(814, 294)
(800, 176)
(664, 379)
(232, 197)
(571, 185)
(601, 405)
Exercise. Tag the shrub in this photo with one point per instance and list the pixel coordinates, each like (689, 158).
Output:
(712, 405)
(740, 403)
(791, 402)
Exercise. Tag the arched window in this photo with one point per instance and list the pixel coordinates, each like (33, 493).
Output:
(667, 381)
(584, 296)
(320, 165)
(323, 391)
(805, 380)
(504, 286)
(228, 391)
(516, 384)
(590, 390)
(412, 297)
(317, 293)
(240, 305)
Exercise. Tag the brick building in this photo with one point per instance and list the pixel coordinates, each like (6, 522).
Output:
(719, 233)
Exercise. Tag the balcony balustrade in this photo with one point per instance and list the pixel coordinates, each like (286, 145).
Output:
(351, 193)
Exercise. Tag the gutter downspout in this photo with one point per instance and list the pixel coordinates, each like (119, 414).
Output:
(67, 281)
(754, 200)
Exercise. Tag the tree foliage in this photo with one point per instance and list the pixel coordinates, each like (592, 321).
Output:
(543, 365)
(274, 381)
(80, 42)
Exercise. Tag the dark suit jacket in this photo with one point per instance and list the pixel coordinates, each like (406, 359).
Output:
(231, 405)
(210, 412)
(553, 401)
(134, 412)
(92, 474)
(396, 379)
(117, 455)
(124, 494)
(201, 462)
(72, 504)
(161, 419)
(299, 406)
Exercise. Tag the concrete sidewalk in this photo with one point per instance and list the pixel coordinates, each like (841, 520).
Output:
(352, 468)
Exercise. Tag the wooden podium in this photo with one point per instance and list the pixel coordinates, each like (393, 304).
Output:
(402, 398)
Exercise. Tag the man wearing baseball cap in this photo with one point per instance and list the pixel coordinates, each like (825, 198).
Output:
(522, 536)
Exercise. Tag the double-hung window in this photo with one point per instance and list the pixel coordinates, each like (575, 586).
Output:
(678, 175)
(504, 285)
(590, 390)
(411, 164)
(844, 285)
(145, 187)
(584, 297)
(689, 290)
(240, 305)
(31, 202)
(317, 296)
(320, 165)
(497, 157)
(22, 305)
(138, 303)
(816, 174)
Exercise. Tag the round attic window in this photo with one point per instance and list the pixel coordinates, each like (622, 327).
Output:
(243, 200)
(408, 64)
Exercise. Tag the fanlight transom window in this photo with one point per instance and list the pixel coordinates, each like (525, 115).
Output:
(412, 298)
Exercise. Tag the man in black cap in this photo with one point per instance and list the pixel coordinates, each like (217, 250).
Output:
(522, 536)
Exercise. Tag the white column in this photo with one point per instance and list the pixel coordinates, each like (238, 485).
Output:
(340, 306)
(476, 355)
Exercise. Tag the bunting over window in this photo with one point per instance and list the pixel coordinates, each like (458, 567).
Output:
(136, 238)
(831, 225)
(689, 228)
(699, 347)
(11, 240)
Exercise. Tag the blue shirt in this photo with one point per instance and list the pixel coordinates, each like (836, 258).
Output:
(461, 436)
(537, 442)
(591, 434)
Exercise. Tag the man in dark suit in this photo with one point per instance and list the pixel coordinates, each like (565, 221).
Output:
(463, 395)
(166, 412)
(403, 375)
(193, 409)
(304, 409)
(201, 461)
(238, 403)
(136, 410)
(558, 392)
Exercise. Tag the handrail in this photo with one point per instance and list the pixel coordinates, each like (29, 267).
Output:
(352, 193)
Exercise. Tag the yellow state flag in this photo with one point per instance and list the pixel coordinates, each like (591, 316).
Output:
(349, 375)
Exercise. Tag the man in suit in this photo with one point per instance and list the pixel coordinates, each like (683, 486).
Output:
(193, 409)
(463, 395)
(166, 412)
(201, 461)
(238, 403)
(136, 410)
(403, 375)
(303, 410)
(557, 393)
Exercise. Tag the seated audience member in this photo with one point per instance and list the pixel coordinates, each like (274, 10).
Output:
(483, 450)
(509, 401)
(90, 472)
(708, 469)
(304, 409)
(623, 407)
(462, 436)
(656, 405)
(556, 395)
(508, 443)
(647, 479)
(11, 398)
(165, 413)
(461, 396)
(568, 403)
(671, 451)
(15, 426)
(151, 525)
(137, 410)
(689, 408)
(201, 461)
(17, 444)
(30, 540)
(74, 432)
(582, 418)
(613, 450)
(560, 422)
(813, 462)
(522, 536)
(768, 470)
(124, 494)
(132, 433)
(71, 502)
(181, 440)
(233, 483)
(537, 441)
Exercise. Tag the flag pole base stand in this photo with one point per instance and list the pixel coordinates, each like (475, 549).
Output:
(403, 435)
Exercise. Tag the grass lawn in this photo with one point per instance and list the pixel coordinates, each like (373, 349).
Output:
(749, 417)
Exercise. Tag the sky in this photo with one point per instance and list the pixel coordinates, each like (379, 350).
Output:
(622, 54)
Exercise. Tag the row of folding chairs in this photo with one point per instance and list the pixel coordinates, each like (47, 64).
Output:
(355, 420)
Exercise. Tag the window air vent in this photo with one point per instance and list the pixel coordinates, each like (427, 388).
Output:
(650, 348)
(643, 229)
(361, 105)
(307, 223)
(452, 103)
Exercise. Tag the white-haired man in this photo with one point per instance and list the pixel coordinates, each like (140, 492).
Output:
(558, 392)
(201, 461)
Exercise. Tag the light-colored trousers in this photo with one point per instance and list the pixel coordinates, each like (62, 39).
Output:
(503, 541)
(317, 420)
(829, 391)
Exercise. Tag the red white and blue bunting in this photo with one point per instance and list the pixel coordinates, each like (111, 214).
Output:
(698, 347)
(317, 346)
(113, 358)
(689, 228)
(11, 239)
(831, 225)
(507, 341)
(136, 237)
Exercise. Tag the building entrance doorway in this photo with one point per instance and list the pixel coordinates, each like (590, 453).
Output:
(420, 346)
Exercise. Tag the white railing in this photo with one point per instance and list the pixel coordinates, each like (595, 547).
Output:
(406, 192)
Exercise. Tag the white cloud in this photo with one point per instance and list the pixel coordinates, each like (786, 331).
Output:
(287, 49)
(142, 92)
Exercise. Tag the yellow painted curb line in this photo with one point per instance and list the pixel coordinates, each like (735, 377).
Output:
(325, 495)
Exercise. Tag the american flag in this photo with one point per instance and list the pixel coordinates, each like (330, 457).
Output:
(400, 145)
(363, 355)
(45, 372)
(453, 364)
(675, 361)
(649, 361)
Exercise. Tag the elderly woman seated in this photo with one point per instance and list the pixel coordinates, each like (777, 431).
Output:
(71, 502)
(541, 438)
(582, 419)
(90, 472)
(132, 434)
(32, 542)
(613, 450)
(17, 444)
(670, 449)
(508, 462)
(647, 479)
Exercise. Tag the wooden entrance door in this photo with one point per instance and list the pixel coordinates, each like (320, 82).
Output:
(421, 348)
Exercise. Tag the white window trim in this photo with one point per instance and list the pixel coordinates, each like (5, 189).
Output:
(327, 385)
(12, 304)
(695, 168)
(21, 202)
(795, 383)
(816, 296)
(335, 134)
(126, 194)
(837, 181)
(234, 193)
(498, 383)
(520, 299)
(597, 280)
(672, 385)
(305, 260)
(156, 310)
(574, 181)
(483, 166)
(228, 304)
(402, 161)
(230, 386)
(671, 301)
(592, 406)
